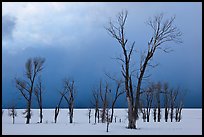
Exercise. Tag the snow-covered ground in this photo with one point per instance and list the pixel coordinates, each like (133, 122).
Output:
(191, 124)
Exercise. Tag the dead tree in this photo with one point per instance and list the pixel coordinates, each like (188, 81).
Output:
(38, 93)
(33, 68)
(70, 91)
(163, 31)
(96, 104)
(12, 112)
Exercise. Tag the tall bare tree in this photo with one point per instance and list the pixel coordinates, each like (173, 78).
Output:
(163, 31)
(33, 68)
(70, 91)
(38, 93)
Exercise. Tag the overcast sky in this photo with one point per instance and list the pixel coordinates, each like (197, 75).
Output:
(72, 38)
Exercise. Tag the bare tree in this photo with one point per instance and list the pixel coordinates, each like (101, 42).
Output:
(157, 100)
(179, 105)
(143, 111)
(118, 32)
(33, 68)
(173, 95)
(118, 92)
(12, 112)
(108, 119)
(163, 31)
(149, 98)
(96, 104)
(58, 107)
(38, 93)
(104, 100)
(70, 91)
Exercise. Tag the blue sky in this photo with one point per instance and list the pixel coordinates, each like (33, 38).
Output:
(72, 38)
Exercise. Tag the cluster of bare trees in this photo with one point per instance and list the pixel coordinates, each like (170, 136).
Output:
(163, 31)
(151, 100)
(104, 100)
(139, 99)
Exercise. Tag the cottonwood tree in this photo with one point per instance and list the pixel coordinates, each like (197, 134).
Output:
(33, 67)
(69, 95)
(38, 93)
(12, 112)
(163, 31)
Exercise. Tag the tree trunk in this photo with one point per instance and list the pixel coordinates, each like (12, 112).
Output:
(112, 111)
(159, 114)
(28, 113)
(98, 116)
(131, 115)
(41, 115)
(13, 119)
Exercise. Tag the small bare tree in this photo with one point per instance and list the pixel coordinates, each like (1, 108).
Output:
(149, 98)
(12, 112)
(108, 119)
(70, 91)
(157, 99)
(38, 93)
(179, 105)
(89, 114)
(104, 100)
(166, 101)
(57, 108)
(118, 92)
(173, 95)
(33, 68)
(95, 103)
